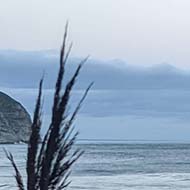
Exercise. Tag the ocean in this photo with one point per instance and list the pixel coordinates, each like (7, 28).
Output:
(116, 166)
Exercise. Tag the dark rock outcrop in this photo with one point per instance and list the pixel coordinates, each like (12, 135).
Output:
(15, 122)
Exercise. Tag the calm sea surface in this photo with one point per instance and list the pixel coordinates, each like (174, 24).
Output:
(118, 167)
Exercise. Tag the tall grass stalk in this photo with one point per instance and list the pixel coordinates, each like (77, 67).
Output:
(48, 164)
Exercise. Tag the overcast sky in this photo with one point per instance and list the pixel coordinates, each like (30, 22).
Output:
(127, 101)
(139, 32)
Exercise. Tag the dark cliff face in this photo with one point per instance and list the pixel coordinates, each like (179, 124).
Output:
(15, 122)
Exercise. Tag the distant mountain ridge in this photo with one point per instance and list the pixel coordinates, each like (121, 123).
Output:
(25, 68)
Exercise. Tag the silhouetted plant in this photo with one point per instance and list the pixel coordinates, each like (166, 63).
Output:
(49, 164)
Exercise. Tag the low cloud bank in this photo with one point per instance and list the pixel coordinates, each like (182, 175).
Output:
(20, 69)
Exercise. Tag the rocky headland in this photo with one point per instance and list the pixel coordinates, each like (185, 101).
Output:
(15, 122)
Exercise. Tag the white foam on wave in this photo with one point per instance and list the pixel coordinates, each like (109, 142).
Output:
(159, 181)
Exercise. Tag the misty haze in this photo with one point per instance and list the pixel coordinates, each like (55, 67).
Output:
(133, 120)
